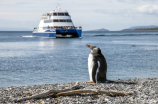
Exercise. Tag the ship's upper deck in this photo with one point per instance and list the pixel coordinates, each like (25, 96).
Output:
(54, 19)
(57, 13)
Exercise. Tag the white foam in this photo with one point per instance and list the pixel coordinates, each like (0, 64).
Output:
(28, 36)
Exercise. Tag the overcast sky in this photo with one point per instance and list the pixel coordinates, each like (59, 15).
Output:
(90, 14)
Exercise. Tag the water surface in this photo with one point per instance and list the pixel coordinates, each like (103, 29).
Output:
(25, 60)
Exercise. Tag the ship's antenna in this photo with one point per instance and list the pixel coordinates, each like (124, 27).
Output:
(58, 6)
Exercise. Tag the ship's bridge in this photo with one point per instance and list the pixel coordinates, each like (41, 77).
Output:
(56, 14)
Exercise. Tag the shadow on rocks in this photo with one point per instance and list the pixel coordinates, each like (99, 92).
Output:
(119, 82)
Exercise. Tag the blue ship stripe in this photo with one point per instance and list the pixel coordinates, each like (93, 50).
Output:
(45, 34)
(74, 32)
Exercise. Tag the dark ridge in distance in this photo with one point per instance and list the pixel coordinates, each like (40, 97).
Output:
(120, 35)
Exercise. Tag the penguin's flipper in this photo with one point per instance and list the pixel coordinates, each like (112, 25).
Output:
(90, 81)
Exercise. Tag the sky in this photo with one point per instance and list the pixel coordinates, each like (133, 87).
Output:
(113, 15)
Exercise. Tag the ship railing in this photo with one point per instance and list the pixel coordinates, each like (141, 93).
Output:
(67, 27)
(35, 29)
(44, 16)
(57, 27)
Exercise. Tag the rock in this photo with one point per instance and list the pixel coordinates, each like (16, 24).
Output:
(144, 91)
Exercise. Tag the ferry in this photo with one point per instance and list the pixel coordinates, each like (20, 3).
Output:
(56, 24)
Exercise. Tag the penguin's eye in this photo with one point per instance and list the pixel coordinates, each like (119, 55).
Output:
(95, 48)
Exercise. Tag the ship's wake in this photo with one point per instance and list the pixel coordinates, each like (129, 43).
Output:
(30, 36)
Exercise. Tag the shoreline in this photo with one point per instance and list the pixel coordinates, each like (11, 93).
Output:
(145, 90)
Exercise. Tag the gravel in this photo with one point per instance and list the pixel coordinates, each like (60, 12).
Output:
(145, 90)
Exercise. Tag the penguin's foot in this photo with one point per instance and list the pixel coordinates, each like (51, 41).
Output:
(90, 81)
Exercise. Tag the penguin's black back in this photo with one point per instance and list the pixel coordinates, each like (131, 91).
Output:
(100, 68)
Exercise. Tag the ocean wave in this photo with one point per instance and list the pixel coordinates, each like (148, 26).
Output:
(120, 33)
(100, 35)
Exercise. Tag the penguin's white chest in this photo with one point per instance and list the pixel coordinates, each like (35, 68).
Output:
(90, 65)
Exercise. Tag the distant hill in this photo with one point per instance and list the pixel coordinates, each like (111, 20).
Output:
(102, 29)
(15, 29)
(137, 28)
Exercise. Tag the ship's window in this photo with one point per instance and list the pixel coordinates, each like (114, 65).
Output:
(69, 20)
(47, 21)
(62, 20)
(60, 14)
(66, 14)
(55, 14)
(55, 20)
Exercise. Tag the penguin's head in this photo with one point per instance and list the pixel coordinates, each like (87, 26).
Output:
(94, 49)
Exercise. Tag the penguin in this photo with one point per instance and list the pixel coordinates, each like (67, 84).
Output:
(97, 65)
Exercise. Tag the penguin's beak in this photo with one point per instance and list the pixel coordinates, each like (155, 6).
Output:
(91, 48)
(88, 45)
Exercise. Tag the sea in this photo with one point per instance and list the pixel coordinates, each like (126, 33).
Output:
(26, 60)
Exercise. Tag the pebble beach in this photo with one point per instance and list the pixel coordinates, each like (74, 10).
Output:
(145, 90)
